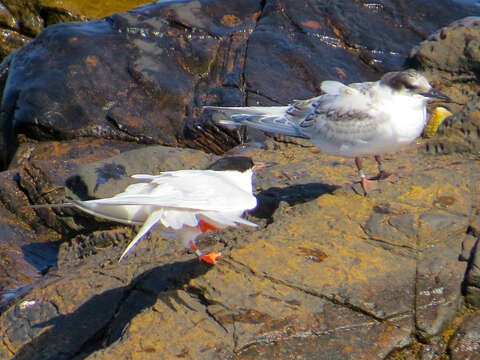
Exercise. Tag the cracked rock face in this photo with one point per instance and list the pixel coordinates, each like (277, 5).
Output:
(327, 268)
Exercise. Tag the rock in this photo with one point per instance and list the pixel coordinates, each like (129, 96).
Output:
(169, 58)
(465, 342)
(110, 176)
(152, 92)
(459, 133)
(439, 278)
(449, 58)
(472, 279)
(468, 247)
(450, 55)
(354, 275)
(21, 21)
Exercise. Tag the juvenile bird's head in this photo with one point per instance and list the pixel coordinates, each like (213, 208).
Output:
(413, 83)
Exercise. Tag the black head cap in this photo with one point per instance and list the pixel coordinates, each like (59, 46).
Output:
(238, 163)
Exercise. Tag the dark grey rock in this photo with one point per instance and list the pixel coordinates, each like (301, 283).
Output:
(465, 342)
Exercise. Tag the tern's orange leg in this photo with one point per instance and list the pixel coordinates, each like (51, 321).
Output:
(204, 226)
(210, 258)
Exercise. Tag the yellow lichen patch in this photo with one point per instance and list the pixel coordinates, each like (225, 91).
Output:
(341, 206)
(230, 20)
(417, 193)
(96, 9)
(438, 115)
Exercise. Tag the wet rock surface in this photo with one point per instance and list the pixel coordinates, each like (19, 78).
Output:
(22, 20)
(169, 58)
(329, 273)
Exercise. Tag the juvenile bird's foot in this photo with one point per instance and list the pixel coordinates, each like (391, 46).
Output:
(368, 185)
(385, 175)
(210, 258)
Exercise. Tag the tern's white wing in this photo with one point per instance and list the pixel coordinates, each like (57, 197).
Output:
(190, 189)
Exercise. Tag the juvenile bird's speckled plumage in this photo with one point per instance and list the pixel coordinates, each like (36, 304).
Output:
(352, 120)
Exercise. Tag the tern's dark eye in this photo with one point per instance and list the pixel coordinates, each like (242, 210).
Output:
(410, 86)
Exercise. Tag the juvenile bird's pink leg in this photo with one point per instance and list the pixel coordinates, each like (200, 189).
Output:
(366, 184)
(382, 173)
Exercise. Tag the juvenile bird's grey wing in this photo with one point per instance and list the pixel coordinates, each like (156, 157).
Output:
(345, 115)
(272, 119)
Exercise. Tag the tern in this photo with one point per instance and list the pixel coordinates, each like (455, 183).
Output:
(359, 119)
(186, 203)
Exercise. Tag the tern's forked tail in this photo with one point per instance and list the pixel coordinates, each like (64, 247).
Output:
(270, 119)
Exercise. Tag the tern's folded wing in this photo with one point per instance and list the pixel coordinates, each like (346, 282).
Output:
(199, 190)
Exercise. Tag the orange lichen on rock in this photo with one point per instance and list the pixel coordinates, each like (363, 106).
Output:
(312, 24)
(230, 20)
(91, 60)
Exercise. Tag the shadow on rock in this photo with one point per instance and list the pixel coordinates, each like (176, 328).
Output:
(100, 321)
(269, 200)
(42, 256)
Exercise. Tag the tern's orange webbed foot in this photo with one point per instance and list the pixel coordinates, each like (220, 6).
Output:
(210, 258)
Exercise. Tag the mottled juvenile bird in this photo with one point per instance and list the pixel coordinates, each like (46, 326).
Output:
(359, 119)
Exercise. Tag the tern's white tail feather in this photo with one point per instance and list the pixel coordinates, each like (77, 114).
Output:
(271, 119)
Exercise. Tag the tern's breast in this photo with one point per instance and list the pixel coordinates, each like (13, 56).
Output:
(408, 119)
